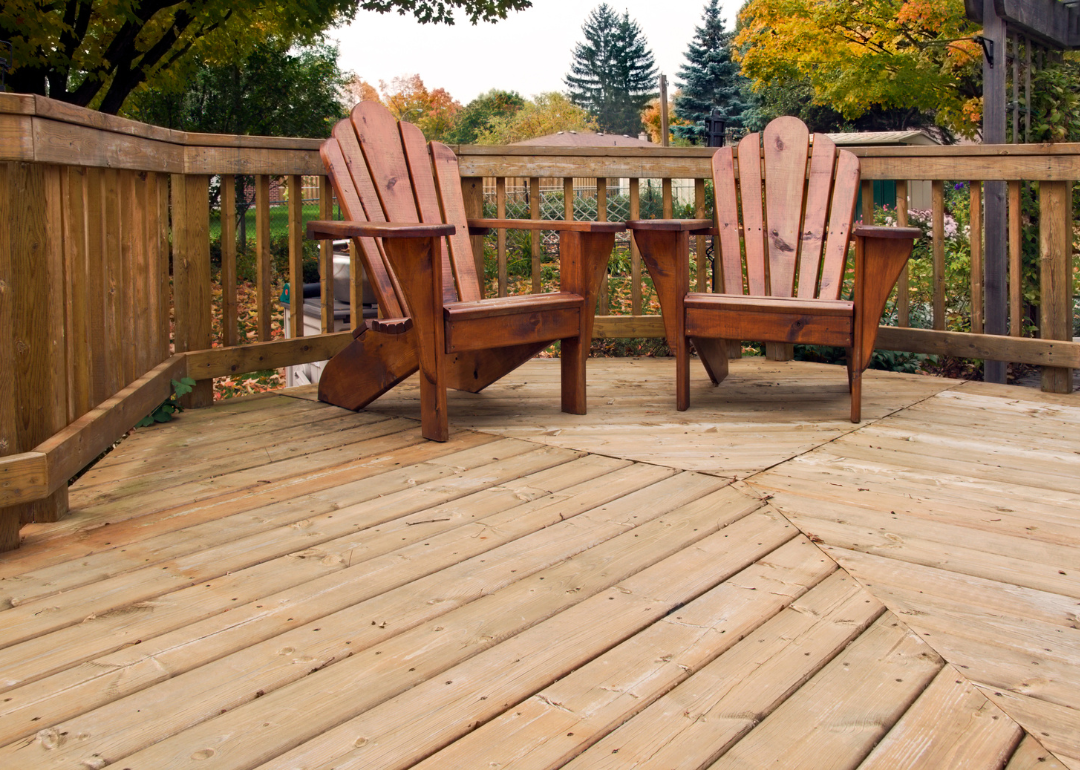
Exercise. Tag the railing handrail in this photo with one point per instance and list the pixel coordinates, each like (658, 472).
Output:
(195, 153)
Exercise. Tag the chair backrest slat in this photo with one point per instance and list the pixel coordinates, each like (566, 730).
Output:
(752, 215)
(345, 183)
(448, 180)
(787, 248)
(818, 194)
(727, 220)
(427, 199)
(786, 143)
(845, 191)
(379, 139)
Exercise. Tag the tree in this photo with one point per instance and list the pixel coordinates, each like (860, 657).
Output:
(274, 91)
(709, 79)
(407, 98)
(477, 116)
(652, 121)
(359, 90)
(613, 73)
(861, 54)
(544, 114)
(95, 53)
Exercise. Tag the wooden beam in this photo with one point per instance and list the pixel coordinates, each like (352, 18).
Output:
(1055, 275)
(224, 362)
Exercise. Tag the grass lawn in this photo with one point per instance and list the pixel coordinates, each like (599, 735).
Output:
(279, 220)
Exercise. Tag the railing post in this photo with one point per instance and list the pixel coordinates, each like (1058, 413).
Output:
(472, 191)
(33, 396)
(1055, 275)
(191, 272)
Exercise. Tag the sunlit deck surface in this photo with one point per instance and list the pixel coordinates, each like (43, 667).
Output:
(756, 582)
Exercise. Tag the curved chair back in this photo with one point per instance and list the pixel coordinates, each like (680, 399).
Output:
(796, 193)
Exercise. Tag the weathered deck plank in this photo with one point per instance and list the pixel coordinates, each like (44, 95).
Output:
(625, 589)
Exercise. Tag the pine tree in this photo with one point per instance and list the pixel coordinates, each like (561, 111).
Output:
(709, 79)
(613, 72)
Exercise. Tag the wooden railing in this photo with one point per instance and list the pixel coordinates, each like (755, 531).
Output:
(106, 279)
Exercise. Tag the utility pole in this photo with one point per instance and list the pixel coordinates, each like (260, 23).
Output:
(663, 112)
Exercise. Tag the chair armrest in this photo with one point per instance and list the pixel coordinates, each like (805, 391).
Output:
(390, 325)
(484, 226)
(326, 230)
(696, 226)
(877, 231)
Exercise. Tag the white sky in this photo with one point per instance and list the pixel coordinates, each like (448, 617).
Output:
(529, 52)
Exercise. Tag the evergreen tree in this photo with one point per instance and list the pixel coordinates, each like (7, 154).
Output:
(613, 73)
(709, 79)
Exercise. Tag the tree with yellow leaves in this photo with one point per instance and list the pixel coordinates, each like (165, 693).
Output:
(861, 54)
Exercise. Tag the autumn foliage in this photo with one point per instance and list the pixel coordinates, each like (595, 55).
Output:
(896, 54)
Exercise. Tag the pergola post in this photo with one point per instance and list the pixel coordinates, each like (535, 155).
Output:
(994, 119)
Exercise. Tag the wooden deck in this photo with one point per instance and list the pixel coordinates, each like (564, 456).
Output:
(278, 583)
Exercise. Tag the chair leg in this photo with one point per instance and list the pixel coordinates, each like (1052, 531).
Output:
(421, 280)
(682, 373)
(856, 397)
(583, 259)
(572, 355)
(854, 371)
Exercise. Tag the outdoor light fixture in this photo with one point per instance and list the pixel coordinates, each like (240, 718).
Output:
(715, 126)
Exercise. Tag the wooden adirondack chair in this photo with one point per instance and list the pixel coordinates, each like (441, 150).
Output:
(404, 209)
(783, 263)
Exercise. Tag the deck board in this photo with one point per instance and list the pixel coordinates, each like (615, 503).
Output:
(277, 583)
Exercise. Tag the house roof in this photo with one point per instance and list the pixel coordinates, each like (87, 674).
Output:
(882, 138)
(586, 139)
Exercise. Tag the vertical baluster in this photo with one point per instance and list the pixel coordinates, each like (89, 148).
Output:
(139, 280)
(535, 235)
(114, 286)
(976, 232)
(568, 205)
(296, 256)
(77, 292)
(356, 287)
(669, 204)
(699, 213)
(97, 283)
(230, 330)
(635, 255)
(938, 224)
(52, 390)
(152, 214)
(326, 266)
(128, 267)
(472, 193)
(262, 254)
(1016, 270)
(603, 302)
(500, 251)
(903, 285)
(164, 284)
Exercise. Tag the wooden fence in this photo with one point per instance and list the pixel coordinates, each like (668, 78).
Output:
(105, 270)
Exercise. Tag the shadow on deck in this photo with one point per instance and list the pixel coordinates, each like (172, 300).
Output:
(278, 583)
